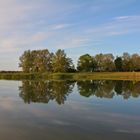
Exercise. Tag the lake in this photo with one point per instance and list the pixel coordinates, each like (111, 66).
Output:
(66, 110)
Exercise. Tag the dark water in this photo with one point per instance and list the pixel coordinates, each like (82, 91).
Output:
(66, 110)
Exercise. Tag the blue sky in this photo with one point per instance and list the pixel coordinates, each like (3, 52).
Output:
(77, 26)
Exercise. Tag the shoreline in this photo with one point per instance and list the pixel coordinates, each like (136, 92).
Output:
(132, 76)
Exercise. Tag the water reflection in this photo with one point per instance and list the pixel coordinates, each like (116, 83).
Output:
(97, 88)
(109, 89)
(45, 91)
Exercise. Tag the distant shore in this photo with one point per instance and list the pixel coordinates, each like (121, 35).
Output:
(135, 76)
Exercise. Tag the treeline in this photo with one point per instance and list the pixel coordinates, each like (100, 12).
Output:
(109, 63)
(45, 61)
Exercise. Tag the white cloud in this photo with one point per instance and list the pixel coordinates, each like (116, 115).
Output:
(72, 42)
(40, 36)
(59, 26)
(26, 23)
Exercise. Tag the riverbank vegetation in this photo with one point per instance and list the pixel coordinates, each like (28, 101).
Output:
(40, 61)
(42, 64)
(44, 61)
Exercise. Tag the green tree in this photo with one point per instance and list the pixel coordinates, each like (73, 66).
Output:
(135, 60)
(36, 61)
(86, 63)
(60, 62)
(105, 62)
(42, 60)
(26, 61)
(99, 61)
(127, 65)
(108, 62)
(118, 64)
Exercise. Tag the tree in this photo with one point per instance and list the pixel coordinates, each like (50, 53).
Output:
(26, 61)
(105, 62)
(86, 63)
(60, 62)
(135, 60)
(118, 64)
(99, 61)
(108, 62)
(127, 65)
(42, 61)
(36, 61)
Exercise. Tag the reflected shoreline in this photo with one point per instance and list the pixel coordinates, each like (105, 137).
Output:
(58, 91)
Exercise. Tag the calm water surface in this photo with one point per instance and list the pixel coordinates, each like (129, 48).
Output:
(66, 110)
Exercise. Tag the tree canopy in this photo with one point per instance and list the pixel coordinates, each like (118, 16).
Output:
(86, 63)
(45, 61)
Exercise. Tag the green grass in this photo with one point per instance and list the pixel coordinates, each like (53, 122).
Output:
(72, 76)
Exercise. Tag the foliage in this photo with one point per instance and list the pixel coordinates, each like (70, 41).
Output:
(26, 61)
(118, 64)
(44, 61)
(41, 61)
(60, 62)
(86, 63)
(105, 62)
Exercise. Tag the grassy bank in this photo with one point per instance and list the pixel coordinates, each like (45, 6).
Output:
(72, 76)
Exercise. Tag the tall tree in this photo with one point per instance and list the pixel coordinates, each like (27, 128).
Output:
(105, 62)
(36, 61)
(118, 64)
(99, 61)
(86, 63)
(42, 60)
(26, 61)
(135, 60)
(126, 62)
(60, 62)
(108, 62)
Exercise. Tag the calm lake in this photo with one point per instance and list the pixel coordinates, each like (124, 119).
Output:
(66, 110)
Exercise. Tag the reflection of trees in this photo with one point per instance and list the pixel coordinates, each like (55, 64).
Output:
(86, 88)
(44, 91)
(131, 89)
(97, 88)
(118, 87)
(108, 89)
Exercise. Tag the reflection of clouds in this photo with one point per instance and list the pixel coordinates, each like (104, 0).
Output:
(38, 112)
(60, 122)
(123, 131)
(85, 115)
(7, 105)
(119, 122)
(129, 130)
(84, 106)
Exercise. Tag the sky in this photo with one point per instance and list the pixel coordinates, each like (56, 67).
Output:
(77, 26)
